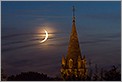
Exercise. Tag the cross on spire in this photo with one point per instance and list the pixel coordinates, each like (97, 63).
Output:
(73, 9)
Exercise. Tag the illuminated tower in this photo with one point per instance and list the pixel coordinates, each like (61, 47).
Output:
(74, 65)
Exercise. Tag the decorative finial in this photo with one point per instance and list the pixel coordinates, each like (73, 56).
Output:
(73, 11)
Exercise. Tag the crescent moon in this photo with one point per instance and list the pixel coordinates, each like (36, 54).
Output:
(46, 36)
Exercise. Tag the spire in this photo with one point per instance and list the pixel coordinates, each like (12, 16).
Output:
(73, 48)
(73, 11)
(73, 63)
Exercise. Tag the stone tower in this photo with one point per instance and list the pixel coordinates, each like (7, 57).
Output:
(74, 65)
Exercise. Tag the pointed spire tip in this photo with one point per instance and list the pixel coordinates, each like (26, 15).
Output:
(73, 9)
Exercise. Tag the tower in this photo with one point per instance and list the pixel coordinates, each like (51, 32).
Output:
(74, 65)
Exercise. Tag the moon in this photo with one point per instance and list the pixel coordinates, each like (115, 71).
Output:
(46, 36)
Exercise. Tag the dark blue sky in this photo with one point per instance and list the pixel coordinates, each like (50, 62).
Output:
(98, 25)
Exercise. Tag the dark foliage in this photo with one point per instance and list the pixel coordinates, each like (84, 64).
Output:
(112, 74)
(30, 76)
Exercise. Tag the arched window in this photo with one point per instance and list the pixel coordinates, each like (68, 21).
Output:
(70, 63)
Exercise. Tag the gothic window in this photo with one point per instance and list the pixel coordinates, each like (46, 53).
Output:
(70, 63)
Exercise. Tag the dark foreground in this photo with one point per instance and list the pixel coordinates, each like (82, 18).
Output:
(113, 74)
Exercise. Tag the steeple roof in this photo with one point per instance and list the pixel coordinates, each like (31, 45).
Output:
(73, 48)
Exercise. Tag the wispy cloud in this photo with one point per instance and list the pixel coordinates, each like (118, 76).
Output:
(93, 41)
(21, 34)
(16, 48)
(109, 16)
(63, 42)
(116, 35)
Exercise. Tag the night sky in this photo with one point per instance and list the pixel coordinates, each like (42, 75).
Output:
(98, 25)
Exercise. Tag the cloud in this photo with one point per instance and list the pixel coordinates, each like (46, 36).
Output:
(117, 35)
(101, 38)
(21, 34)
(10, 48)
(93, 41)
(109, 16)
(25, 34)
(16, 48)
(55, 41)
(19, 38)
(59, 44)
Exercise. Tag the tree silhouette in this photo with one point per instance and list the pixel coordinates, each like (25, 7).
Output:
(32, 76)
(29, 76)
(112, 75)
(96, 77)
(3, 75)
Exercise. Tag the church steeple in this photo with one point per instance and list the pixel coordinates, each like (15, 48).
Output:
(73, 48)
(73, 64)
